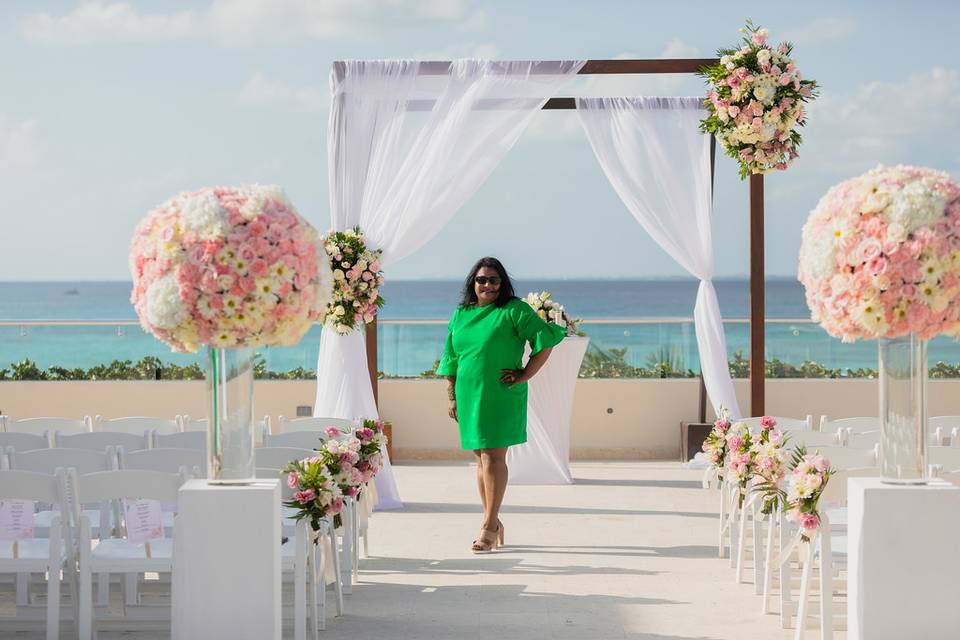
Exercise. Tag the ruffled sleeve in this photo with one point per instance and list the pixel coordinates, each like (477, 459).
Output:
(448, 362)
(535, 330)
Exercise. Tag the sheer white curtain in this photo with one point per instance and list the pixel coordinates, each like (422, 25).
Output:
(408, 143)
(659, 164)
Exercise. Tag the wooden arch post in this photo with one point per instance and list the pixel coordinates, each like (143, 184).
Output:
(757, 311)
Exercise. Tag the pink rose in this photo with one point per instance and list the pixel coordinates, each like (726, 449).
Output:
(758, 38)
(292, 480)
(809, 521)
(767, 422)
(258, 268)
(332, 432)
(304, 497)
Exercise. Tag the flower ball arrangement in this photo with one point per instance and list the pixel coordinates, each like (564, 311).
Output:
(228, 267)
(880, 255)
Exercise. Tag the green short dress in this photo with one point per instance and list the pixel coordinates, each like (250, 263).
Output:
(480, 342)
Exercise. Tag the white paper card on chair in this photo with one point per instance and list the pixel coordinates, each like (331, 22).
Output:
(16, 519)
(143, 518)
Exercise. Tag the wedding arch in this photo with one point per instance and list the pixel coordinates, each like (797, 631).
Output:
(410, 141)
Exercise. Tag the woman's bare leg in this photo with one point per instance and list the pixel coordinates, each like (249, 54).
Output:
(480, 486)
(495, 477)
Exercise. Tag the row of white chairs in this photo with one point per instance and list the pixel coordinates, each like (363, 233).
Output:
(850, 455)
(153, 426)
(74, 552)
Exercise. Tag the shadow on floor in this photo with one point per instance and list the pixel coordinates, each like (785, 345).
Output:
(654, 484)
(506, 562)
(487, 611)
(459, 507)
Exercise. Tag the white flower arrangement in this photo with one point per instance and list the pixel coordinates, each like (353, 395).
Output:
(552, 311)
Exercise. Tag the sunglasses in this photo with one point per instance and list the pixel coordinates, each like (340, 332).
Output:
(494, 280)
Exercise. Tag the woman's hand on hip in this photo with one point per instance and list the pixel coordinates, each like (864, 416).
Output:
(452, 410)
(512, 377)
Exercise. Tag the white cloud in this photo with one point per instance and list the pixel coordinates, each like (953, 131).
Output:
(262, 91)
(98, 21)
(242, 22)
(886, 122)
(821, 30)
(486, 50)
(20, 147)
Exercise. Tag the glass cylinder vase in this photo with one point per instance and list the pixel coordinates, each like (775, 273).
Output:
(903, 410)
(230, 428)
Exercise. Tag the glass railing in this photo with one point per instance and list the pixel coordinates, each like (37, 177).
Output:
(649, 347)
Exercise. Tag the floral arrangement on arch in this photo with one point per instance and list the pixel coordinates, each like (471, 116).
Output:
(228, 267)
(357, 280)
(880, 255)
(552, 311)
(809, 475)
(756, 100)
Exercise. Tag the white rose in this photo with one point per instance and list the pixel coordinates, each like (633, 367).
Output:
(338, 274)
(339, 310)
(203, 214)
(165, 308)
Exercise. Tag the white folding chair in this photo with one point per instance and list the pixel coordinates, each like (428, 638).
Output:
(850, 425)
(814, 439)
(137, 424)
(279, 457)
(45, 426)
(196, 440)
(47, 556)
(100, 440)
(191, 462)
(260, 428)
(298, 439)
(783, 424)
(944, 458)
(119, 555)
(305, 563)
(317, 423)
(828, 548)
(22, 441)
(49, 461)
(944, 430)
(863, 439)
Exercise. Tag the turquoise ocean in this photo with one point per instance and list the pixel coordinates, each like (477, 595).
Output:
(647, 317)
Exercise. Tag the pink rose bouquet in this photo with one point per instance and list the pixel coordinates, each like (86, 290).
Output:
(769, 463)
(357, 280)
(880, 255)
(317, 495)
(739, 456)
(373, 441)
(715, 446)
(756, 97)
(808, 478)
(228, 267)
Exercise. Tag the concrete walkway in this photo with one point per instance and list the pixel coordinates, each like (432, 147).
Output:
(629, 551)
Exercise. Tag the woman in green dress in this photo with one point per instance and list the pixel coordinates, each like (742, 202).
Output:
(487, 382)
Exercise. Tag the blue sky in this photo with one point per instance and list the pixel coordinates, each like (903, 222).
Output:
(108, 108)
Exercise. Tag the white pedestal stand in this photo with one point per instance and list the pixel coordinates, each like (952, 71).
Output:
(904, 563)
(226, 578)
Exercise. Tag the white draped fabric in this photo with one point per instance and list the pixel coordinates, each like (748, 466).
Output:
(545, 457)
(408, 144)
(659, 164)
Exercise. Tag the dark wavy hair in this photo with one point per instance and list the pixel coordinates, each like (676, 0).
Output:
(506, 286)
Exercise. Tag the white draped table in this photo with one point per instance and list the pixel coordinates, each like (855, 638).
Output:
(545, 457)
